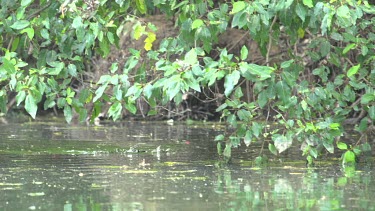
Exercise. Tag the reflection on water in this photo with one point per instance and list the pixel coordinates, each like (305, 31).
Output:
(54, 166)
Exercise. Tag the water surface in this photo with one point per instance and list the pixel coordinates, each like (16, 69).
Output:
(49, 165)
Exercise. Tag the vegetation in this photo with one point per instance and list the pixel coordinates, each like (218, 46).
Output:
(316, 72)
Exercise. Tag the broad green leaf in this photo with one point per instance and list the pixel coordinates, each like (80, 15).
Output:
(272, 149)
(248, 138)
(20, 97)
(329, 147)
(115, 111)
(283, 91)
(342, 145)
(366, 98)
(244, 53)
(353, 70)
(131, 107)
(349, 157)
(219, 137)
(141, 6)
(282, 143)
(25, 3)
(228, 151)
(371, 112)
(231, 80)
(99, 92)
(68, 113)
(261, 72)
(301, 12)
(31, 106)
(287, 64)
(77, 22)
(8, 66)
(313, 153)
(191, 57)
(196, 24)
(139, 31)
(308, 3)
(343, 11)
(29, 32)
(21, 24)
(238, 6)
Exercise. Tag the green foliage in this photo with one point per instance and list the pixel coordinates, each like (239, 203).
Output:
(326, 72)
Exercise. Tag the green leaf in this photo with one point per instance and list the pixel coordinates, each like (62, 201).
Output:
(283, 91)
(141, 6)
(99, 92)
(353, 70)
(343, 11)
(301, 12)
(349, 157)
(196, 24)
(25, 3)
(261, 72)
(308, 3)
(29, 32)
(272, 149)
(231, 80)
(115, 111)
(248, 138)
(244, 53)
(68, 113)
(20, 97)
(219, 137)
(238, 6)
(191, 57)
(342, 145)
(371, 112)
(329, 147)
(282, 143)
(21, 24)
(31, 106)
(348, 48)
(77, 22)
(228, 151)
(366, 98)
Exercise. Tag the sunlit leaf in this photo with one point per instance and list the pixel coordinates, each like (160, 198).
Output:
(197, 23)
(349, 157)
(308, 3)
(353, 70)
(342, 145)
(238, 6)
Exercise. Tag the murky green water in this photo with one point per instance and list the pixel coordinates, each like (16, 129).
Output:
(55, 166)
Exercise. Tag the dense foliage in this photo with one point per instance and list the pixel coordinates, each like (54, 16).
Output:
(317, 71)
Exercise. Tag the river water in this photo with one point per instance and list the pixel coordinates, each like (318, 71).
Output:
(50, 165)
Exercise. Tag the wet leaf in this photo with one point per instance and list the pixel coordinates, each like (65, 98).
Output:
(68, 113)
